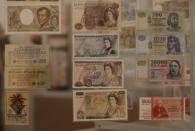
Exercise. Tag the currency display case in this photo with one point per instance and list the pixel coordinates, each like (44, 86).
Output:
(52, 109)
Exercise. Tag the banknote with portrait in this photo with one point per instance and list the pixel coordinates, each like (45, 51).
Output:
(160, 21)
(175, 5)
(98, 74)
(27, 77)
(127, 38)
(33, 18)
(160, 44)
(96, 45)
(17, 108)
(128, 12)
(94, 105)
(26, 55)
(96, 15)
(162, 108)
(166, 69)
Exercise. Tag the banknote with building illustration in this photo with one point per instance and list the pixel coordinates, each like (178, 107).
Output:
(95, 45)
(98, 74)
(27, 77)
(26, 55)
(160, 44)
(127, 38)
(162, 108)
(38, 18)
(128, 12)
(95, 15)
(93, 105)
(17, 108)
(160, 21)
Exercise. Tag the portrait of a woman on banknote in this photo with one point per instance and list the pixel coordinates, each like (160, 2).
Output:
(110, 18)
(108, 49)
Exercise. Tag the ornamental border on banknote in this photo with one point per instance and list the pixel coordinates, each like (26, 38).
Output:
(98, 60)
(183, 114)
(104, 90)
(6, 74)
(6, 106)
(33, 4)
(96, 34)
(102, 30)
(10, 48)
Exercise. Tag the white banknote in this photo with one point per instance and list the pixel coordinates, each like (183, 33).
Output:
(26, 55)
(96, 45)
(160, 44)
(27, 77)
(17, 108)
(96, 15)
(98, 74)
(160, 21)
(93, 105)
(33, 18)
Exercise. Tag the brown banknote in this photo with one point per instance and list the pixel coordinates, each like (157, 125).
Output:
(33, 18)
(162, 108)
(95, 15)
(17, 108)
(93, 105)
(98, 74)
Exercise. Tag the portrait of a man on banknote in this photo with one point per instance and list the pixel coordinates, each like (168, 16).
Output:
(44, 16)
(173, 45)
(173, 22)
(174, 70)
(159, 111)
(114, 109)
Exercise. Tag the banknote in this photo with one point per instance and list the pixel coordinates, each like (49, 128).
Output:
(96, 45)
(128, 11)
(162, 108)
(167, 69)
(141, 69)
(98, 74)
(26, 55)
(32, 0)
(96, 15)
(38, 18)
(160, 44)
(17, 108)
(176, 5)
(127, 38)
(93, 105)
(160, 21)
(27, 77)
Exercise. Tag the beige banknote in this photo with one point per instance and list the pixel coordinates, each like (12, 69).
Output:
(29, 18)
(142, 69)
(96, 45)
(162, 108)
(96, 15)
(93, 105)
(17, 108)
(128, 12)
(160, 44)
(33, 0)
(27, 77)
(177, 5)
(26, 55)
(160, 21)
(98, 74)
(127, 38)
